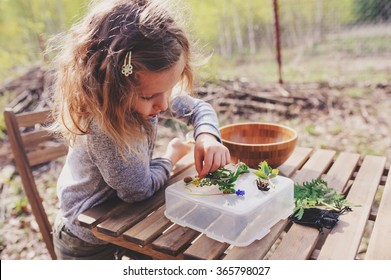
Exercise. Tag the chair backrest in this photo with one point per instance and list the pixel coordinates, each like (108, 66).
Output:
(32, 145)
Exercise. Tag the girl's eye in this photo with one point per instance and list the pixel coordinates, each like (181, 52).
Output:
(146, 98)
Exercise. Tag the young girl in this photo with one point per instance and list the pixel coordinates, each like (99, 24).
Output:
(118, 69)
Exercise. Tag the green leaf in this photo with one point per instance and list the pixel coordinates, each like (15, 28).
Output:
(315, 193)
(299, 214)
(265, 171)
(224, 178)
(260, 174)
(275, 172)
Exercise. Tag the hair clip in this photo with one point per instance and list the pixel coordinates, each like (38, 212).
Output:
(127, 68)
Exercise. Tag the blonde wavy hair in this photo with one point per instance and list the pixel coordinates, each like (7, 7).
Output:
(89, 83)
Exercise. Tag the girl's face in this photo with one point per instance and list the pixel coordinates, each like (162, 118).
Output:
(155, 89)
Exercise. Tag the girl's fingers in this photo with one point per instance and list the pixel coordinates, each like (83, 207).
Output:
(210, 155)
(198, 159)
(227, 157)
(214, 161)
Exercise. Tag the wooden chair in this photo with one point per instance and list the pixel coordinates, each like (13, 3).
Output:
(32, 145)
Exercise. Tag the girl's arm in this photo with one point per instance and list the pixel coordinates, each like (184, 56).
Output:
(134, 178)
(196, 112)
(209, 152)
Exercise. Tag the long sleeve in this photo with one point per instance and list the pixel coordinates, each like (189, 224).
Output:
(197, 113)
(136, 177)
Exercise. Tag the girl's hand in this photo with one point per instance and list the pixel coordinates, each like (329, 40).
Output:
(176, 149)
(209, 154)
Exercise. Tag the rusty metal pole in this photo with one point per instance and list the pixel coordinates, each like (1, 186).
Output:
(278, 39)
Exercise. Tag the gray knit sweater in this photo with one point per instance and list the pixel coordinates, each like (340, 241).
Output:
(94, 172)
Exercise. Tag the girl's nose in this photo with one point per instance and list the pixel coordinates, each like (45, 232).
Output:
(162, 103)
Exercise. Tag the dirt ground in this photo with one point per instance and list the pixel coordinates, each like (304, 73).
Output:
(344, 117)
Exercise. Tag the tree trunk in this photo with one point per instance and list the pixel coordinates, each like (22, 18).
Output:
(238, 33)
(250, 29)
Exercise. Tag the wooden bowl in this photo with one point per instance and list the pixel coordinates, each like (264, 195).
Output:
(253, 143)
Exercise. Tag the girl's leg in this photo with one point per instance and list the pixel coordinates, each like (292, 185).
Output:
(69, 247)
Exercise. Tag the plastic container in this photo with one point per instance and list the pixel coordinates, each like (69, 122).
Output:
(237, 220)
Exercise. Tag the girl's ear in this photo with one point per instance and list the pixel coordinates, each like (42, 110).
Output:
(137, 75)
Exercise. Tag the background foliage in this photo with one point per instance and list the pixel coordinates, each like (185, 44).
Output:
(233, 30)
(26, 25)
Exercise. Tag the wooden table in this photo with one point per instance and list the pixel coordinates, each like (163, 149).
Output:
(365, 180)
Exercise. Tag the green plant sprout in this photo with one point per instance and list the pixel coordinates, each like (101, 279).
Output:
(222, 177)
(265, 173)
(317, 194)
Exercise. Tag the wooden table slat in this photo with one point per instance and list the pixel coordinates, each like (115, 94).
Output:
(147, 249)
(295, 161)
(119, 222)
(315, 166)
(299, 242)
(379, 246)
(205, 248)
(174, 240)
(352, 225)
(99, 213)
(303, 241)
(259, 248)
(147, 230)
(341, 171)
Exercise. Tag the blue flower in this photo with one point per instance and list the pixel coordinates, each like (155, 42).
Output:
(240, 192)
